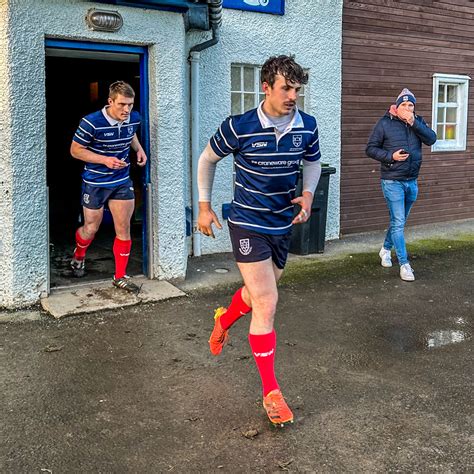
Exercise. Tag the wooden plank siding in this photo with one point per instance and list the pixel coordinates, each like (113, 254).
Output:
(388, 45)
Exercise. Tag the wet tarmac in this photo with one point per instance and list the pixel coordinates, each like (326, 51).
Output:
(379, 373)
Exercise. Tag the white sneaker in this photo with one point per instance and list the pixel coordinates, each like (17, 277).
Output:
(386, 257)
(406, 272)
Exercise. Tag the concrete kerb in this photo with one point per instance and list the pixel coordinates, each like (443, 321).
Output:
(209, 272)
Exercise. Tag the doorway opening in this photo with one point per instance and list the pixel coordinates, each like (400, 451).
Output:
(77, 82)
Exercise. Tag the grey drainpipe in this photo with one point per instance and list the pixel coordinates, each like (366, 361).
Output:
(215, 17)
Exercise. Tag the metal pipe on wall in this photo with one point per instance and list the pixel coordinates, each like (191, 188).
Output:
(215, 17)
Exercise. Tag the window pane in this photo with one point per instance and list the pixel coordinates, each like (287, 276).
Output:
(261, 97)
(451, 114)
(452, 93)
(235, 103)
(235, 78)
(441, 90)
(441, 114)
(440, 132)
(249, 101)
(249, 79)
(450, 132)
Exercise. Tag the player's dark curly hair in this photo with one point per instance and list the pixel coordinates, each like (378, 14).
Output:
(286, 66)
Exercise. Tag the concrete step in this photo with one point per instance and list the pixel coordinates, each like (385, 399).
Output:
(96, 296)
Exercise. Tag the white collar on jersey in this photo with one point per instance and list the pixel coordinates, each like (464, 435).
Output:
(111, 120)
(265, 121)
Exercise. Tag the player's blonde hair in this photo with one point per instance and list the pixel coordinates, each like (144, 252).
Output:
(121, 88)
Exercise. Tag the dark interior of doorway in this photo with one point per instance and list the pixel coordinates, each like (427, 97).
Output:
(75, 87)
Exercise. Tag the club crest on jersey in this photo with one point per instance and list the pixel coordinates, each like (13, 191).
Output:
(130, 130)
(245, 248)
(297, 140)
(86, 198)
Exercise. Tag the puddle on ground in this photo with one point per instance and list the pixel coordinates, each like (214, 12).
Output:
(443, 338)
(407, 340)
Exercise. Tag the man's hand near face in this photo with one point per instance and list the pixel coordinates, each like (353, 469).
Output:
(406, 115)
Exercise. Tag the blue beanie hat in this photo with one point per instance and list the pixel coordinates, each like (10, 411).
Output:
(405, 96)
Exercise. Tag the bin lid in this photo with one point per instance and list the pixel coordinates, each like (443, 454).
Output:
(328, 170)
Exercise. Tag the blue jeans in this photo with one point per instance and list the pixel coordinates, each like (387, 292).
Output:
(400, 197)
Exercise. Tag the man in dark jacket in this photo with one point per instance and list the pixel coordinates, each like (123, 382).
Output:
(396, 142)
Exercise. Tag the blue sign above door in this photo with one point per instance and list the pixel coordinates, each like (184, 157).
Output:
(276, 7)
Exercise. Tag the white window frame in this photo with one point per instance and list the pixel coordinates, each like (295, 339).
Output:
(257, 88)
(458, 144)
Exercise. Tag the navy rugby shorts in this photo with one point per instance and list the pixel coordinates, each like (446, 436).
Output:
(249, 246)
(94, 197)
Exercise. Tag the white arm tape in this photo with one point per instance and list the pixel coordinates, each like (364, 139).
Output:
(206, 171)
(311, 175)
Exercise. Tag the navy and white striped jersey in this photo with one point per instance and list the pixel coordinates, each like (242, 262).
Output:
(103, 135)
(266, 167)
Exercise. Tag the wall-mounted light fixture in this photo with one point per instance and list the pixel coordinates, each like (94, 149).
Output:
(104, 20)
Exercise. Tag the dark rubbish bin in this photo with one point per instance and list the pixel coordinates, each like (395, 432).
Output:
(310, 237)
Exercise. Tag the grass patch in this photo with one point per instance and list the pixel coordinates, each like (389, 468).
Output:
(343, 265)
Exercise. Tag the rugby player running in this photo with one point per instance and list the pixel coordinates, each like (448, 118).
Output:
(269, 143)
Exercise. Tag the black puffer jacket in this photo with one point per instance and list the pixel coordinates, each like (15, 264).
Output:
(389, 135)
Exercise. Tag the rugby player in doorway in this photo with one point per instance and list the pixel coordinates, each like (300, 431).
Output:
(103, 141)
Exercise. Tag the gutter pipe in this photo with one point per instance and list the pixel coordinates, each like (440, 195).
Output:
(215, 18)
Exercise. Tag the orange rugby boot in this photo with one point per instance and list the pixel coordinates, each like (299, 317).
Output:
(219, 336)
(277, 409)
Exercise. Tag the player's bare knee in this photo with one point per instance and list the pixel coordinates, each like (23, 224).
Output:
(122, 230)
(90, 229)
(266, 304)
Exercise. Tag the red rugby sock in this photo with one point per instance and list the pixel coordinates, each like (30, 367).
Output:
(81, 246)
(121, 253)
(263, 348)
(235, 311)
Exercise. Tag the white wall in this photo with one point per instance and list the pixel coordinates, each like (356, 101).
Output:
(310, 30)
(23, 212)
(6, 175)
